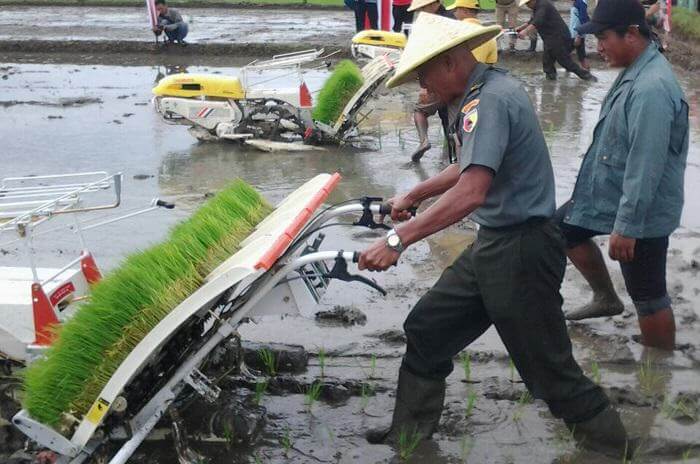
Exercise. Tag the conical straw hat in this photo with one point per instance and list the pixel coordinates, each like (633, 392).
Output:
(522, 2)
(415, 4)
(432, 35)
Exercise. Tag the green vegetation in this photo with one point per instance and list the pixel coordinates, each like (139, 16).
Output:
(466, 361)
(313, 393)
(471, 402)
(130, 301)
(686, 23)
(525, 398)
(651, 380)
(465, 447)
(322, 361)
(286, 441)
(365, 393)
(408, 442)
(268, 359)
(595, 372)
(260, 389)
(337, 91)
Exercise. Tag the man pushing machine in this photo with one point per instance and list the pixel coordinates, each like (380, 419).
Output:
(510, 277)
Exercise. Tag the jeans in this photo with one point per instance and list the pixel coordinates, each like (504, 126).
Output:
(363, 8)
(178, 34)
(560, 52)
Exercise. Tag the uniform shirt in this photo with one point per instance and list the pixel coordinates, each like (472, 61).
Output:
(631, 178)
(486, 53)
(549, 23)
(498, 129)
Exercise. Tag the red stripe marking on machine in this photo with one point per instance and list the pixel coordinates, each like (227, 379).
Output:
(281, 244)
(61, 292)
(44, 317)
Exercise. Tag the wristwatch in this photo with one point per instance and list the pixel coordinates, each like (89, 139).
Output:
(393, 241)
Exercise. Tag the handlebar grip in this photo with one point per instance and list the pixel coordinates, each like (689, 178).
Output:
(165, 204)
(356, 257)
(385, 209)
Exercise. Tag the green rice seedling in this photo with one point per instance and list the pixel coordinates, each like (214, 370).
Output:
(260, 389)
(679, 409)
(366, 391)
(337, 91)
(131, 300)
(269, 361)
(466, 361)
(686, 455)
(258, 459)
(511, 366)
(465, 447)
(229, 435)
(286, 441)
(651, 380)
(595, 372)
(313, 393)
(322, 361)
(525, 398)
(408, 442)
(471, 402)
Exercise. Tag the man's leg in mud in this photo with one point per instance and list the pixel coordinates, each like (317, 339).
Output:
(588, 259)
(548, 62)
(519, 275)
(445, 320)
(645, 278)
(425, 108)
(562, 54)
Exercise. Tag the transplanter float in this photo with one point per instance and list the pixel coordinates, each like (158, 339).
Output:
(236, 258)
(263, 114)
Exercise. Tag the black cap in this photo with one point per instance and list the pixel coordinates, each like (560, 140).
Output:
(614, 13)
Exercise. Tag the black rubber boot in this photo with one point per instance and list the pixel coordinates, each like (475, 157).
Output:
(604, 434)
(419, 403)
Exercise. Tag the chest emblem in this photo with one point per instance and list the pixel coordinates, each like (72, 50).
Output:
(470, 120)
(470, 105)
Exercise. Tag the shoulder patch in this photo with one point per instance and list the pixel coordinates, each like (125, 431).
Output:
(470, 105)
(470, 120)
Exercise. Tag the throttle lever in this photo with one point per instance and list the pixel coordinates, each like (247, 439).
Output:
(340, 272)
(367, 218)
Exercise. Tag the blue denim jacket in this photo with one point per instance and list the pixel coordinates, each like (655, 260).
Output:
(631, 178)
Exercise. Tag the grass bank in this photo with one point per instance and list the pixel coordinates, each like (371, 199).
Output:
(686, 23)
(183, 3)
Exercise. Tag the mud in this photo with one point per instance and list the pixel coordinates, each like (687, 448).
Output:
(358, 368)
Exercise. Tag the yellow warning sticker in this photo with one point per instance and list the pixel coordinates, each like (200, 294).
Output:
(97, 411)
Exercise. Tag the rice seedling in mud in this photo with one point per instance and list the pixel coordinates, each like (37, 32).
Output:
(525, 398)
(680, 410)
(337, 91)
(686, 455)
(595, 372)
(465, 448)
(466, 361)
(286, 442)
(408, 442)
(322, 361)
(313, 393)
(260, 389)
(366, 391)
(651, 380)
(511, 367)
(130, 301)
(269, 361)
(471, 402)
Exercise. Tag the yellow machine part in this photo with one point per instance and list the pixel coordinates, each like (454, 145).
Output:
(199, 85)
(380, 38)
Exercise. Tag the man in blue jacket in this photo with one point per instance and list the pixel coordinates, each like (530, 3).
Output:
(631, 180)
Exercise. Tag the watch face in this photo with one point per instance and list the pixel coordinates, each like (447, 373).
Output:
(393, 240)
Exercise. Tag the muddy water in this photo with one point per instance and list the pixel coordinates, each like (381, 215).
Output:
(120, 132)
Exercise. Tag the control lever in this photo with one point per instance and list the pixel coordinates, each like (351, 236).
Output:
(340, 272)
(164, 204)
(385, 209)
(367, 218)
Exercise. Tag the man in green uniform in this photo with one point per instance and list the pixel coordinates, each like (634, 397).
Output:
(510, 277)
(631, 180)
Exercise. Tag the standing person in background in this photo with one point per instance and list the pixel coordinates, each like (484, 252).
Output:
(558, 44)
(579, 17)
(170, 22)
(507, 18)
(399, 11)
(657, 16)
(467, 11)
(366, 9)
(427, 104)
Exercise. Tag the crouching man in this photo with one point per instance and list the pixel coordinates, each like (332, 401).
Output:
(510, 277)
(170, 21)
